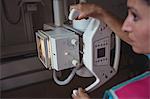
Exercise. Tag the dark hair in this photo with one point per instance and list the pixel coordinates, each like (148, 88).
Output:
(147, 2)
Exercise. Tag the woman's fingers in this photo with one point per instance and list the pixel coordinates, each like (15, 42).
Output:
(87, 10)
(75, 94)
(82, 12)
(80, 90)
(76, 6)
(80, 94)
(82, 16)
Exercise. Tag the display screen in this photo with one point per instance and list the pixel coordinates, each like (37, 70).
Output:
(100, 52)
(41, 48)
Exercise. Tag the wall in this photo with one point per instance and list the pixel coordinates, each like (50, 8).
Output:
(117, 7)
(14, 38)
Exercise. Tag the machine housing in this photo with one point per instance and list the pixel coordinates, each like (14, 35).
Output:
(58, 49)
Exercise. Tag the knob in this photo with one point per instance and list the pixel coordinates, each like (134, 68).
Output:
(75, 62)
(74, 42)
(75, 92)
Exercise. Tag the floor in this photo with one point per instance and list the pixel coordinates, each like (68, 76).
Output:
(49, 89)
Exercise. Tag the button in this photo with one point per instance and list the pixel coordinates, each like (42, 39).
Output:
(66, 53)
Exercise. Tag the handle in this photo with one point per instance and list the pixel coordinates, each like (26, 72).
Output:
(117, 53)
(73, 14)
(93, 85)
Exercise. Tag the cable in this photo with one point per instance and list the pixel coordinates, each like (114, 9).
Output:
(70, 77)
(7, 16)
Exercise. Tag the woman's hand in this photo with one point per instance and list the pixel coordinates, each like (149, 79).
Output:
(80, 94)
(87, 10)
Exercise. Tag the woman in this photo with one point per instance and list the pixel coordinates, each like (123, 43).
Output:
(135, 30)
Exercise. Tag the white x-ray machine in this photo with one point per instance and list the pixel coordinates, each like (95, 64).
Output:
(87, 52)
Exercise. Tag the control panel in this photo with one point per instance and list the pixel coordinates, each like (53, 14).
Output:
(101, 48)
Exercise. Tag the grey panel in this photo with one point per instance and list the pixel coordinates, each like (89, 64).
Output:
(20, 66)
(23, 80)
